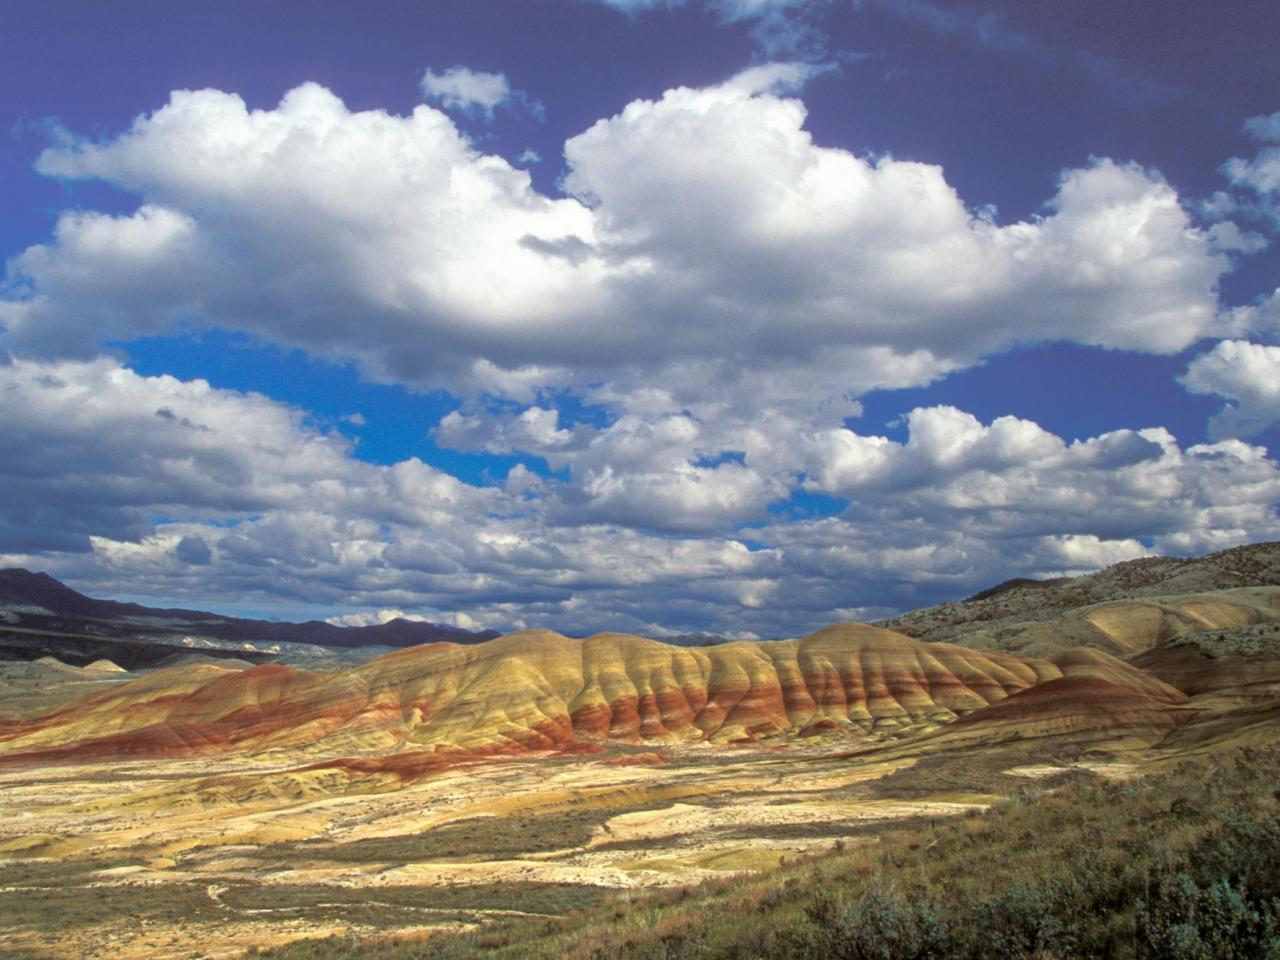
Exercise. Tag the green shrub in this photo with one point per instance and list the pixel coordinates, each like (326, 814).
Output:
(1185, 921)
(880, 926)
(1225, 901)
(1244, 851)
(1026, 920)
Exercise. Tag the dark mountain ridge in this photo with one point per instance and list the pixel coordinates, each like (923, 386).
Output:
(53, 619)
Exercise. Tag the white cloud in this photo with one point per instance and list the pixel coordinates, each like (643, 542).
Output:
(535, 429)
(1247, 375)
(1229, 238)
(93, 448)
(115, 480)
(365, 234)
(1121, 480)
(779, 79)
(727, 199)
(475, 91)
(1085, 553)
(706, 226)
(1264, 128)
(282, 512)
(715, 291)
(1257, 176)
(1013, 480)
(373, 618)
(657, 472)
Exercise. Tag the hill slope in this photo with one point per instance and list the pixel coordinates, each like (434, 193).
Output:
(538, 690)
(1125, 609)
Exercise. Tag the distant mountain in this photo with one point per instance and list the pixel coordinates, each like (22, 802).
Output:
(40, 615)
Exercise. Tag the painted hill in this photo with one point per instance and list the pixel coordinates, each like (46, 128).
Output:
(1097, 698)
(1125, 670)
(538, 690)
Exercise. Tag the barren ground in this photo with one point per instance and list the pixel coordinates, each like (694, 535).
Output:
(150, 860)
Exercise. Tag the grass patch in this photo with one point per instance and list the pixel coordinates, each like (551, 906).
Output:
(396, 906)
(78, 905)
(462, 841)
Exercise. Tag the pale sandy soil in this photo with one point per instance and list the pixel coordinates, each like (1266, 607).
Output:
(1043, 771)
(158, 829)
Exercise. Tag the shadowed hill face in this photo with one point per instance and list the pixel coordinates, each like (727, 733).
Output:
(1096, 696)
(539, 690)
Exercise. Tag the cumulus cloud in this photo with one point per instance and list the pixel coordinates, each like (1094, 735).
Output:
(267, 506)
(706, 226)
(1247, 376)
(661, 471)
(782, 246)
(1229, 238)
(1083, 553)
(344, 227)
(94, 449)
(535, 429)
(115, 480)
(711, 294)
(1013, 478)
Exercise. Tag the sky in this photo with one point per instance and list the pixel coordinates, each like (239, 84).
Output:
(737, 316)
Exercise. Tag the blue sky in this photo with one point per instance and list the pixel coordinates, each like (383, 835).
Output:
(735, 315)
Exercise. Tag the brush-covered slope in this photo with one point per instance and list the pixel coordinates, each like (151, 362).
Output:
(539, 690)
(1124, 610)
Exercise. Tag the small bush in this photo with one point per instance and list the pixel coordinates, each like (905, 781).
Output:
(1244, 851)
(1026, 920)
(1225, 902)
(881, 927)
(1185, 921)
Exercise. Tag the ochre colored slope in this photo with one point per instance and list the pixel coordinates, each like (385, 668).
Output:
(1096, 698)
(1137, 625)
(1197, 674)
(539, 690)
